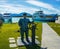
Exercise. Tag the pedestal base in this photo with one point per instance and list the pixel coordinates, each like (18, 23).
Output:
(20, 43)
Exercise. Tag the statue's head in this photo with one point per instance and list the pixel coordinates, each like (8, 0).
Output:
(24, 15)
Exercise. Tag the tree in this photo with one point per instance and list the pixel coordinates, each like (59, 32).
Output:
(1, 21)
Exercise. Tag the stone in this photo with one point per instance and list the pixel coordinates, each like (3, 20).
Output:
(13, 45)
(11, 40)
(19, 43)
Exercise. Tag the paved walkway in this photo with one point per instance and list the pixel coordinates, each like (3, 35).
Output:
(49, 37)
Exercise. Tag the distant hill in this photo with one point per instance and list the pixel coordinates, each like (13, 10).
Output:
(20, 14)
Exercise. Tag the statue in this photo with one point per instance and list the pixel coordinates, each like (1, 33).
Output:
(23, 23)
(33, 29)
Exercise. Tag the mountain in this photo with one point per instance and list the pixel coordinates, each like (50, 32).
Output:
(20, 14)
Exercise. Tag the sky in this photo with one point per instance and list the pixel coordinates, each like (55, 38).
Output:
(30, 6)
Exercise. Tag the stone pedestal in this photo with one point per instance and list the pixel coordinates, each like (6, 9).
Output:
(20, 43)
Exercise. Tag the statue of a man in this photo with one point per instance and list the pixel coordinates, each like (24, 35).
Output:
(23, 23)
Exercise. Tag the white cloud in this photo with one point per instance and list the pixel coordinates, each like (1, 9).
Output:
(14, 8)
(17, 8)
(43, 5)
(11, 8)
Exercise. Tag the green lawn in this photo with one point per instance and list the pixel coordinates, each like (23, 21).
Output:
(56, 27)
(10, 30)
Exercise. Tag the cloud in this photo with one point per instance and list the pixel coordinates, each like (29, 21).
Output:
(15, 7)
(12, 8)
(6, 6)
(43, 5)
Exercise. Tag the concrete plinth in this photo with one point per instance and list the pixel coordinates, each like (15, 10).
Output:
(20, 43)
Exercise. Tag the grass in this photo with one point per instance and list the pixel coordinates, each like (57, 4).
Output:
(55, 27)
(10, 30)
